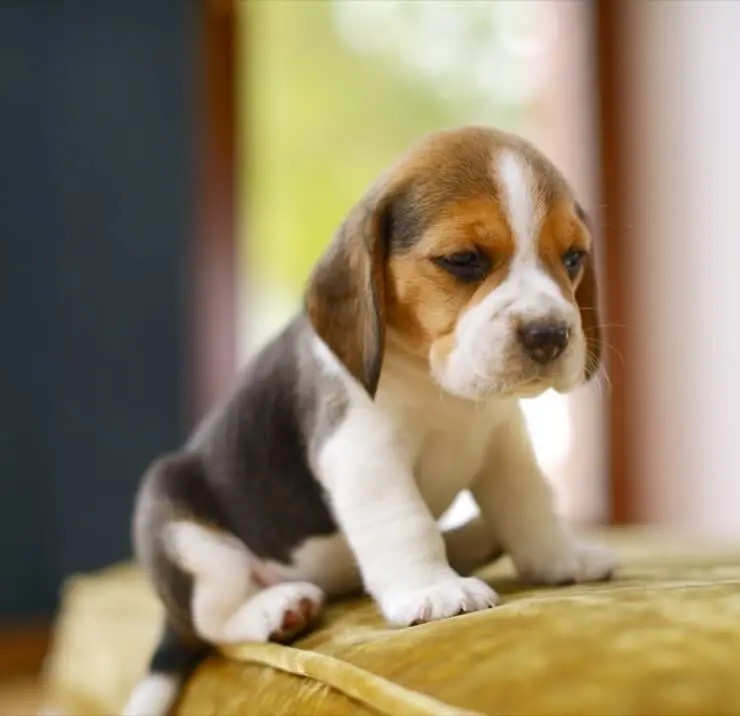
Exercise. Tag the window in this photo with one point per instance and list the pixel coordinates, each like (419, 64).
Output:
(332, 90)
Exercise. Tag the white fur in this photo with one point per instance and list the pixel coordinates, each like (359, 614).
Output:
(207, 553)
(228, 607)
(367, 467)
(516, 501)
(152, 696)
(487, 358)
(396, 464)
(326, 561)
(524, 209)
(261, 616)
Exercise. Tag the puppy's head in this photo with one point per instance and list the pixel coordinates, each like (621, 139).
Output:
(472, 254)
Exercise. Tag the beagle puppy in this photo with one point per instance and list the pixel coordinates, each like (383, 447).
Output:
(461, 282)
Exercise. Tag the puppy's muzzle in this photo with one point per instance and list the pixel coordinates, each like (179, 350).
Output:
(544, 342)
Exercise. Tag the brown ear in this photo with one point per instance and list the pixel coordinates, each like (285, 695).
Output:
(587, 296)
(345, 298)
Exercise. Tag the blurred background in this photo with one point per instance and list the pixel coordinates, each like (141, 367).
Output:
(170, 171)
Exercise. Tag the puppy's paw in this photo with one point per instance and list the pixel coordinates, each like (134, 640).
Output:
(446, 598)
(578, 561)
(279, 613)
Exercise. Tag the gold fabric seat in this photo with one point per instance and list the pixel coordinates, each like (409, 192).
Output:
(663, 638)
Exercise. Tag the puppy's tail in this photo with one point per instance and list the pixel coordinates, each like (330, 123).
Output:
(174, 659)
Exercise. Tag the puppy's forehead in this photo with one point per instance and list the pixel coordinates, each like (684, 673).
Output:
(457, 166)
(520, 199)
(526, 195)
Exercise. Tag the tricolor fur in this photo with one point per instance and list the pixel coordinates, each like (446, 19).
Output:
(463, 281)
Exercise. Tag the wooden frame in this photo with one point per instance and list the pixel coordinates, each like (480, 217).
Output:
(23, 648)
(211, 261)
(611, 45)
(214, 255)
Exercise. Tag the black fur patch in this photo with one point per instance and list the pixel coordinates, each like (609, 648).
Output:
(245, 471)
(405, 221)
(175, 655)
(256, 482)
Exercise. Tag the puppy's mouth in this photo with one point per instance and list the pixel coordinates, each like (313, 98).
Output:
(521, 378)
(516, 383)
(486, 369)
(530, 379)
(510, 387)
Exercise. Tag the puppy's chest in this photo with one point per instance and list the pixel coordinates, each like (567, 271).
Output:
(451, 455)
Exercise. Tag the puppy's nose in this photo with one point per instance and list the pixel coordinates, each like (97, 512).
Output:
(544, 342)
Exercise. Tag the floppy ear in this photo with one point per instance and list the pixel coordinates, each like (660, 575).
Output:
(345, 297)
(587, 297)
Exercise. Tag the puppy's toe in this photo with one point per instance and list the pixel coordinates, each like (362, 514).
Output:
(296, 606)
(576, 562)
(447, 598)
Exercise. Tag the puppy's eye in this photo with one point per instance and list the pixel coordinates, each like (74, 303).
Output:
(573, 260)
(465, 265)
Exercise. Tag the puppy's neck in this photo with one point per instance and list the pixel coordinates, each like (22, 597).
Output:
(406, 379)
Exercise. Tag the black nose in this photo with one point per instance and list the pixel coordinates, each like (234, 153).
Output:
(544, 342)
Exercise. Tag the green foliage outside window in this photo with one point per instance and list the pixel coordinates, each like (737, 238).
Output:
(324, 116)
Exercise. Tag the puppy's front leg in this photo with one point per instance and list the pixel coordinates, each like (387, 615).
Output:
(516, 503)
(398, 546)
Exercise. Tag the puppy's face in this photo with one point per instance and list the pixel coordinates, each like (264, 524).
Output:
(473, 255)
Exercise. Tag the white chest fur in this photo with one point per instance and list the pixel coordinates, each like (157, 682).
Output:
(448, 435)
(449, 460)
(412, 426)
(409, 445)
(440, 441)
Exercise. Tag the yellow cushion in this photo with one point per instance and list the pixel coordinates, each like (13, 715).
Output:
(663, 638)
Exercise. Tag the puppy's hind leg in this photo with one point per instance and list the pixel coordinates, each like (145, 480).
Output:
(174, 659)
(228, 605)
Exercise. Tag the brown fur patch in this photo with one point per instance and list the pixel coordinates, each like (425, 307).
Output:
(565, 227)
(345, 300)
(587, 297)
(560, 232)
(424, 302)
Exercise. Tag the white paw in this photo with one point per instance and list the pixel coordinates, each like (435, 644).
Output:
(277, 613)
(575, 562)
(443, 599)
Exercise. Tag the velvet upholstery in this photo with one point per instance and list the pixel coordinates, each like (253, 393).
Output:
(662, 638)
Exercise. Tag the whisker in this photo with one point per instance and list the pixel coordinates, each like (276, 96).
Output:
(604, 368)
(611, 348)
(607, 325)
(603, 389)
(605, 384)
(602, 382)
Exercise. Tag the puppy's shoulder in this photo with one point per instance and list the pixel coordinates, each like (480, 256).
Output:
(264, 391)
(289, 386)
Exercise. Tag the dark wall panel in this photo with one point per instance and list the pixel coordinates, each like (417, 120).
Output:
(96, 213)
